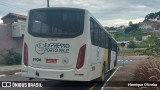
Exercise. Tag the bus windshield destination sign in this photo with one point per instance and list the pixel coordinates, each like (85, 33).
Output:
(42, 47)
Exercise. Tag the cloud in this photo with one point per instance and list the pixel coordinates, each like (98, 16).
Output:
(107, 11)
(118, 22)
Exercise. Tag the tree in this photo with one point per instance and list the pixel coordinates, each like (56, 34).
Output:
(135, 26)
(132, 27)
(150, 16)
(106, 27)
(130, 23)
(128, 29)
(112, 28)
(132, 45)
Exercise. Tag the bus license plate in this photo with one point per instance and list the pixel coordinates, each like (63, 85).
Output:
(51, 60)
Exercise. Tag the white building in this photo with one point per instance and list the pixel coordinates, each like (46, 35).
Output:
(11, 32)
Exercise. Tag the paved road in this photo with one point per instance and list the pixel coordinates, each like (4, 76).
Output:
(129, 60)
(126, 62)
(55, 85)
(13, 67)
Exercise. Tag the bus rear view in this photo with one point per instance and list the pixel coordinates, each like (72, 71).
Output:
(55, 44)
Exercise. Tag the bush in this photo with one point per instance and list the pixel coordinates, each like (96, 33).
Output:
(132, 44)
(152, 52)
(148, 52)
(148, 70)
(139, 52)
(12, 57)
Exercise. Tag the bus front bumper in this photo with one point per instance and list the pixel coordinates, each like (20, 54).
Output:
(69, 75)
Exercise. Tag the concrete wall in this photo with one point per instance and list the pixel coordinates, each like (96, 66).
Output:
(7, 41)
(8, 21)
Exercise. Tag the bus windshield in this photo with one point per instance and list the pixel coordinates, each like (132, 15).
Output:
(56, 23)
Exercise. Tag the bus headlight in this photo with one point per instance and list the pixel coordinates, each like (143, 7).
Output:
(65, 60)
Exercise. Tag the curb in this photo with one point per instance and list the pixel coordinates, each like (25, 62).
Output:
(10, 72)
(110, 78)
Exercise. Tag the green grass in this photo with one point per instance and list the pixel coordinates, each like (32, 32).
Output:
(124, 38)
(1, 65)
(146, 44)
(130, 52)
(131, 35)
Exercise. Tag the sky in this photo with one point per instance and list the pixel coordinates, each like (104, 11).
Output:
(107, 12)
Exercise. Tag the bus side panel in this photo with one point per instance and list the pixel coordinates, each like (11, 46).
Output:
(96, 62)
(105, 58)
(113, 58)
(88, 46)
(104, 61)
(113, 55)
(109, 55)
(94, 54)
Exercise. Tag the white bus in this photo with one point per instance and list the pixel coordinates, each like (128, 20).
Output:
(66, 44)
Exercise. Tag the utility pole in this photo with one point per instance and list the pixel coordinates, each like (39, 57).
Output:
(48, 3)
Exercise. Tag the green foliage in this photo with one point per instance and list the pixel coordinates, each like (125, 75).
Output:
(150, 42)
(145, 44)
(130, 23)
(128, 29)
(110, 28)
(132, 45)
(157, 42)
(129, 36)
(158, 24)
(148, 52)
(106, 27)
(131, 28)
(12, 57)
(139, 52)
(158, 51)
(152, 51)
(152, 16)
(119, 37)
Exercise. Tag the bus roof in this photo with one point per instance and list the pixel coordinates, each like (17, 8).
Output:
(58, 8)
(102, 26)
